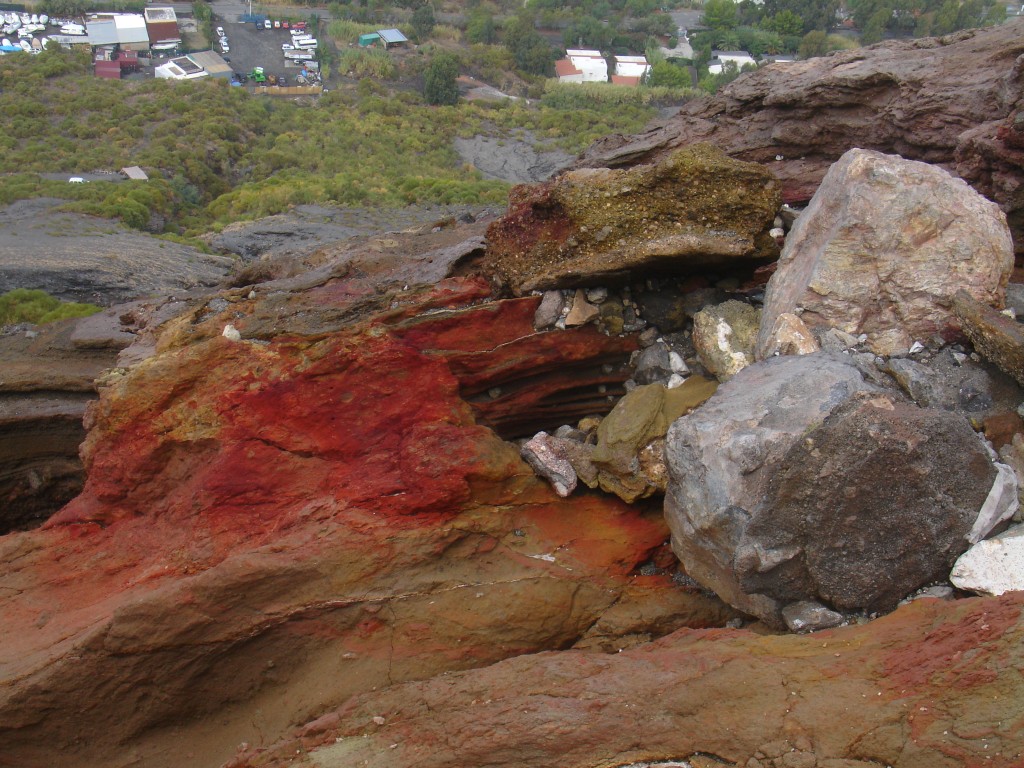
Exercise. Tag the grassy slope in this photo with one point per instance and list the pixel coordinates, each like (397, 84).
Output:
(217, 154)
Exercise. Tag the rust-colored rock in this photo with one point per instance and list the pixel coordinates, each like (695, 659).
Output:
(274, 524)
(934, 685)
(951, 101)
(693, 208)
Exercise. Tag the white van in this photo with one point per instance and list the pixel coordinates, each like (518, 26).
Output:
(76, 180)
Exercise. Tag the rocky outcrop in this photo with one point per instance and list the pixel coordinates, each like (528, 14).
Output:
(903, 690)
(82, 258)
(695, 208)
(314, 501)
(951, 101)
(882, 248)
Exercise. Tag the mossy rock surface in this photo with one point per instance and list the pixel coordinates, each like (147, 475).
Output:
(698, 208)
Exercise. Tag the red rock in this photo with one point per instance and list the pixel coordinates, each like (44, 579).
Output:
(934, 685)
(269, 527)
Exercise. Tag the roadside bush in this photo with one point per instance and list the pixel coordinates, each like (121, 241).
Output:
(23, 305)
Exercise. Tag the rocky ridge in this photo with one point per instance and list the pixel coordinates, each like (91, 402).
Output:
(953, 101)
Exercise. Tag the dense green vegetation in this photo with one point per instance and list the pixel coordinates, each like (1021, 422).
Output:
(28, 306)
(216, 154)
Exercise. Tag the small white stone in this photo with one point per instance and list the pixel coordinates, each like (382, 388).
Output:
(675, 380)
(378, 720)
(993, 566)
(916, 347)
(676, 363)
(1010, 312)
(231, 333)
(252, 294)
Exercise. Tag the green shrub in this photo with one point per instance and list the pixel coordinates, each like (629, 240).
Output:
(23, 305)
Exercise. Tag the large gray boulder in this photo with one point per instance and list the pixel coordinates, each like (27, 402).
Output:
(881, 250)
(798, 480)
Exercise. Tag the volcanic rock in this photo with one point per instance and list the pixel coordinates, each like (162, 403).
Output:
(82, 258)
(724, 337)
(790, 336)
(272, 525)
(903, 690)
(695, 208)
(547, 458)
(886, 97)
(882, 248)
(630, 463)
(993, 335)
(722, 459)
(549, 311)
(876, 502)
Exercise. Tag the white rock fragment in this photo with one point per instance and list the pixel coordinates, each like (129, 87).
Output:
(676, 363)
(675, 380)
(231, 333)
(993, 566)
(1001, 504)
(916, 347)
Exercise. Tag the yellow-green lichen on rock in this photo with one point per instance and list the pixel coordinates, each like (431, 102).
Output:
(629, 455)
(697, 208)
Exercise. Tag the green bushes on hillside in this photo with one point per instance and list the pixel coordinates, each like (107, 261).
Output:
(29, 306)
(215, 154)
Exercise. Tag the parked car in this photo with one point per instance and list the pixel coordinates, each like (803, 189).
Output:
(287, 47)
(281, 80)
(76, 180)
(277, 25)
(284, 25)
(268, 24)
(220, 31)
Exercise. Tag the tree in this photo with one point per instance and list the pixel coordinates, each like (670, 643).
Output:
(874, 30)
(665, 74)
(783, 23)
(439, 86)
(532, 53)
(720, 14)
(815, 43)
(480, 28)
(423, 21)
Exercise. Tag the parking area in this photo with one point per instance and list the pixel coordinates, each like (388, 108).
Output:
(252, 47)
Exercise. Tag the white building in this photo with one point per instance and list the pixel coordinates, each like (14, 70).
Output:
(581, 66)
(181, 68)
(632, 66)
(720, 58)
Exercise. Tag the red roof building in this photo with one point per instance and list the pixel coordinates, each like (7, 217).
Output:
(108, 69)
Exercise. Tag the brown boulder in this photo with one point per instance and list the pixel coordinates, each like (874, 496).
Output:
(695, 207)
(882, 248)
(950, 101)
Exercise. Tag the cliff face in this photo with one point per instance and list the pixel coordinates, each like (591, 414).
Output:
(950, 101)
